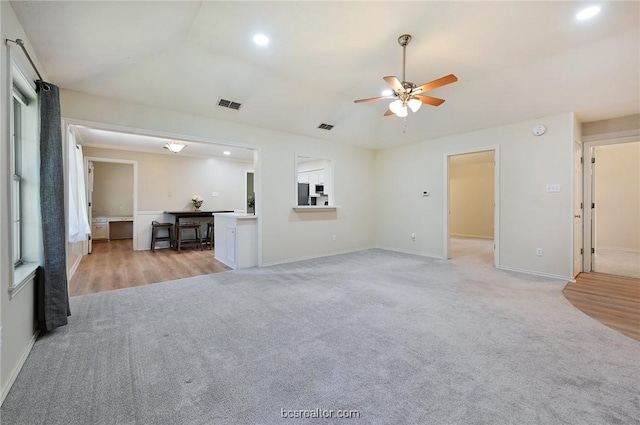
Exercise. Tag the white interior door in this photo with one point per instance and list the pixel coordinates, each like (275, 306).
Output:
(578, 208)
(89, 175)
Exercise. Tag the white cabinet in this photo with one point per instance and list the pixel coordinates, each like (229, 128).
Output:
(99, 228)
(313, 177)
(236, 237)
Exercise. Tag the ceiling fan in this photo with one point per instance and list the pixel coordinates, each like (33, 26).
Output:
(406, 94)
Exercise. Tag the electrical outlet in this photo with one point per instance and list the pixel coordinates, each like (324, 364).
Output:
(539, 252)
(413, 236)
(333, 238)
(553, 188)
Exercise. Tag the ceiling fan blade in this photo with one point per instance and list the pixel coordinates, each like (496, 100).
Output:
(435, 84)
(433, 101)
(369, 99)
(395, 84)
(386, 114)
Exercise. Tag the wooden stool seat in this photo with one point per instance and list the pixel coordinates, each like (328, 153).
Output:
(156, 227)
(196, 241)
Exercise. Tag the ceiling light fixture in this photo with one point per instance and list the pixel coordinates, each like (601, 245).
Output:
(226, 153)
(261, 39)
(588, 13)
(174, 146)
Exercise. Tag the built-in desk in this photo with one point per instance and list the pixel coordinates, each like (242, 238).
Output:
(236, 236)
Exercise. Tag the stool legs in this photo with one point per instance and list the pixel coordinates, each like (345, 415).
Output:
(197, 241)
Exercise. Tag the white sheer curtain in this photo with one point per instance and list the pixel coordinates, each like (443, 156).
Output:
(79, 226)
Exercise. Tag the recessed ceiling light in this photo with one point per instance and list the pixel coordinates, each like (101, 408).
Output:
(261, 39)
(226, 153)
(588, 13)
(388, 92)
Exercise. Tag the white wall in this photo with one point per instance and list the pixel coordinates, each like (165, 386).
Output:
(471, 200)
(112, 189)
(166, 182)
(286, 234)
(17, 313)
(617, 196)
(530, 217)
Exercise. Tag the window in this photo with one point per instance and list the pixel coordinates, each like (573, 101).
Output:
(16, 190)
(23, 173)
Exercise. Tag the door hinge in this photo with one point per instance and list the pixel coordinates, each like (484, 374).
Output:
(593, 160)
(581, 206)
(593, 205)
(593, 250)
(581, 251)
(582, 160)
(89, 203)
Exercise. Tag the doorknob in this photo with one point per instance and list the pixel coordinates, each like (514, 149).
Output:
(577, 216)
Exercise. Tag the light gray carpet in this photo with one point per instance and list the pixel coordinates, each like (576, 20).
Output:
(399, 338)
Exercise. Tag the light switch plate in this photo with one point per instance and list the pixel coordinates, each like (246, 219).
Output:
(553, 188)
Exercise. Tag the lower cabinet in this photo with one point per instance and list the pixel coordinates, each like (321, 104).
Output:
(236, 237)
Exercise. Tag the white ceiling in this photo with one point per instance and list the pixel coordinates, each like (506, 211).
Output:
(515, 61)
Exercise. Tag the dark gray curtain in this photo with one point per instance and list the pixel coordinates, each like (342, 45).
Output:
(53, 296)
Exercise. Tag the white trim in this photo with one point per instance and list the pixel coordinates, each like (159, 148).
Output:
(459, 235)
(312, 257)
(257, 162)
(135, 188)
(74, 267)
(531, 272)
(407, 251)
(496, 198)
(587, 216)
(22, 275)
(18, 368)
(332, 195)
(315, 207)
(612, 138)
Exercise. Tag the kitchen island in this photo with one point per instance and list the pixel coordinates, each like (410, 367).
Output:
(236, 239)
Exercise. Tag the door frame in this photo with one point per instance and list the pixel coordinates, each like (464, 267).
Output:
(95, 159)
(588, 144)
(496, 199)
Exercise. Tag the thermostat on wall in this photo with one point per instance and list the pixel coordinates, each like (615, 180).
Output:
(539, 130)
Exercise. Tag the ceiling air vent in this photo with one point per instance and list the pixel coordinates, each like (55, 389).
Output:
(325, 126)
(229, 104)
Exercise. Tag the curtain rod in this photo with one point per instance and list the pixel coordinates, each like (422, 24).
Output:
(20, 43)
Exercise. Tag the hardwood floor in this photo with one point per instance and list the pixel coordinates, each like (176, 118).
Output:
(114, 265)
(612, 300)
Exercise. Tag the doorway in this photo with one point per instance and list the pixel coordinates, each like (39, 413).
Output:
(471, 213)
(613, 194)
(112, 197)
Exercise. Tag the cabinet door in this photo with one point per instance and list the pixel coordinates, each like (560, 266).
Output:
(313, 181)
(303, 177)
(321, 177)
(99, 231)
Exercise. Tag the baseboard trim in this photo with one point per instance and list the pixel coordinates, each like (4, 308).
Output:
(74, 267)
(405, 251)
(16, 371)
(312, 257)
(459, 235)
(553, 276)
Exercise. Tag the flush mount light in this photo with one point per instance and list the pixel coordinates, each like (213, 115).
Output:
(588, 13)
(174, 146)
(226, 153)
(261, 39)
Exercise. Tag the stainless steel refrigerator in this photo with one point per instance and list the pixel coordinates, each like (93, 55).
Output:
(303, 193)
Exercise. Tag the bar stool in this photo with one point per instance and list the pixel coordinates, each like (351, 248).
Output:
(156, 227)
(208, 239)
(197, 239)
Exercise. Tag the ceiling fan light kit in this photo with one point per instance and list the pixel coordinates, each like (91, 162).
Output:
(407, 95)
